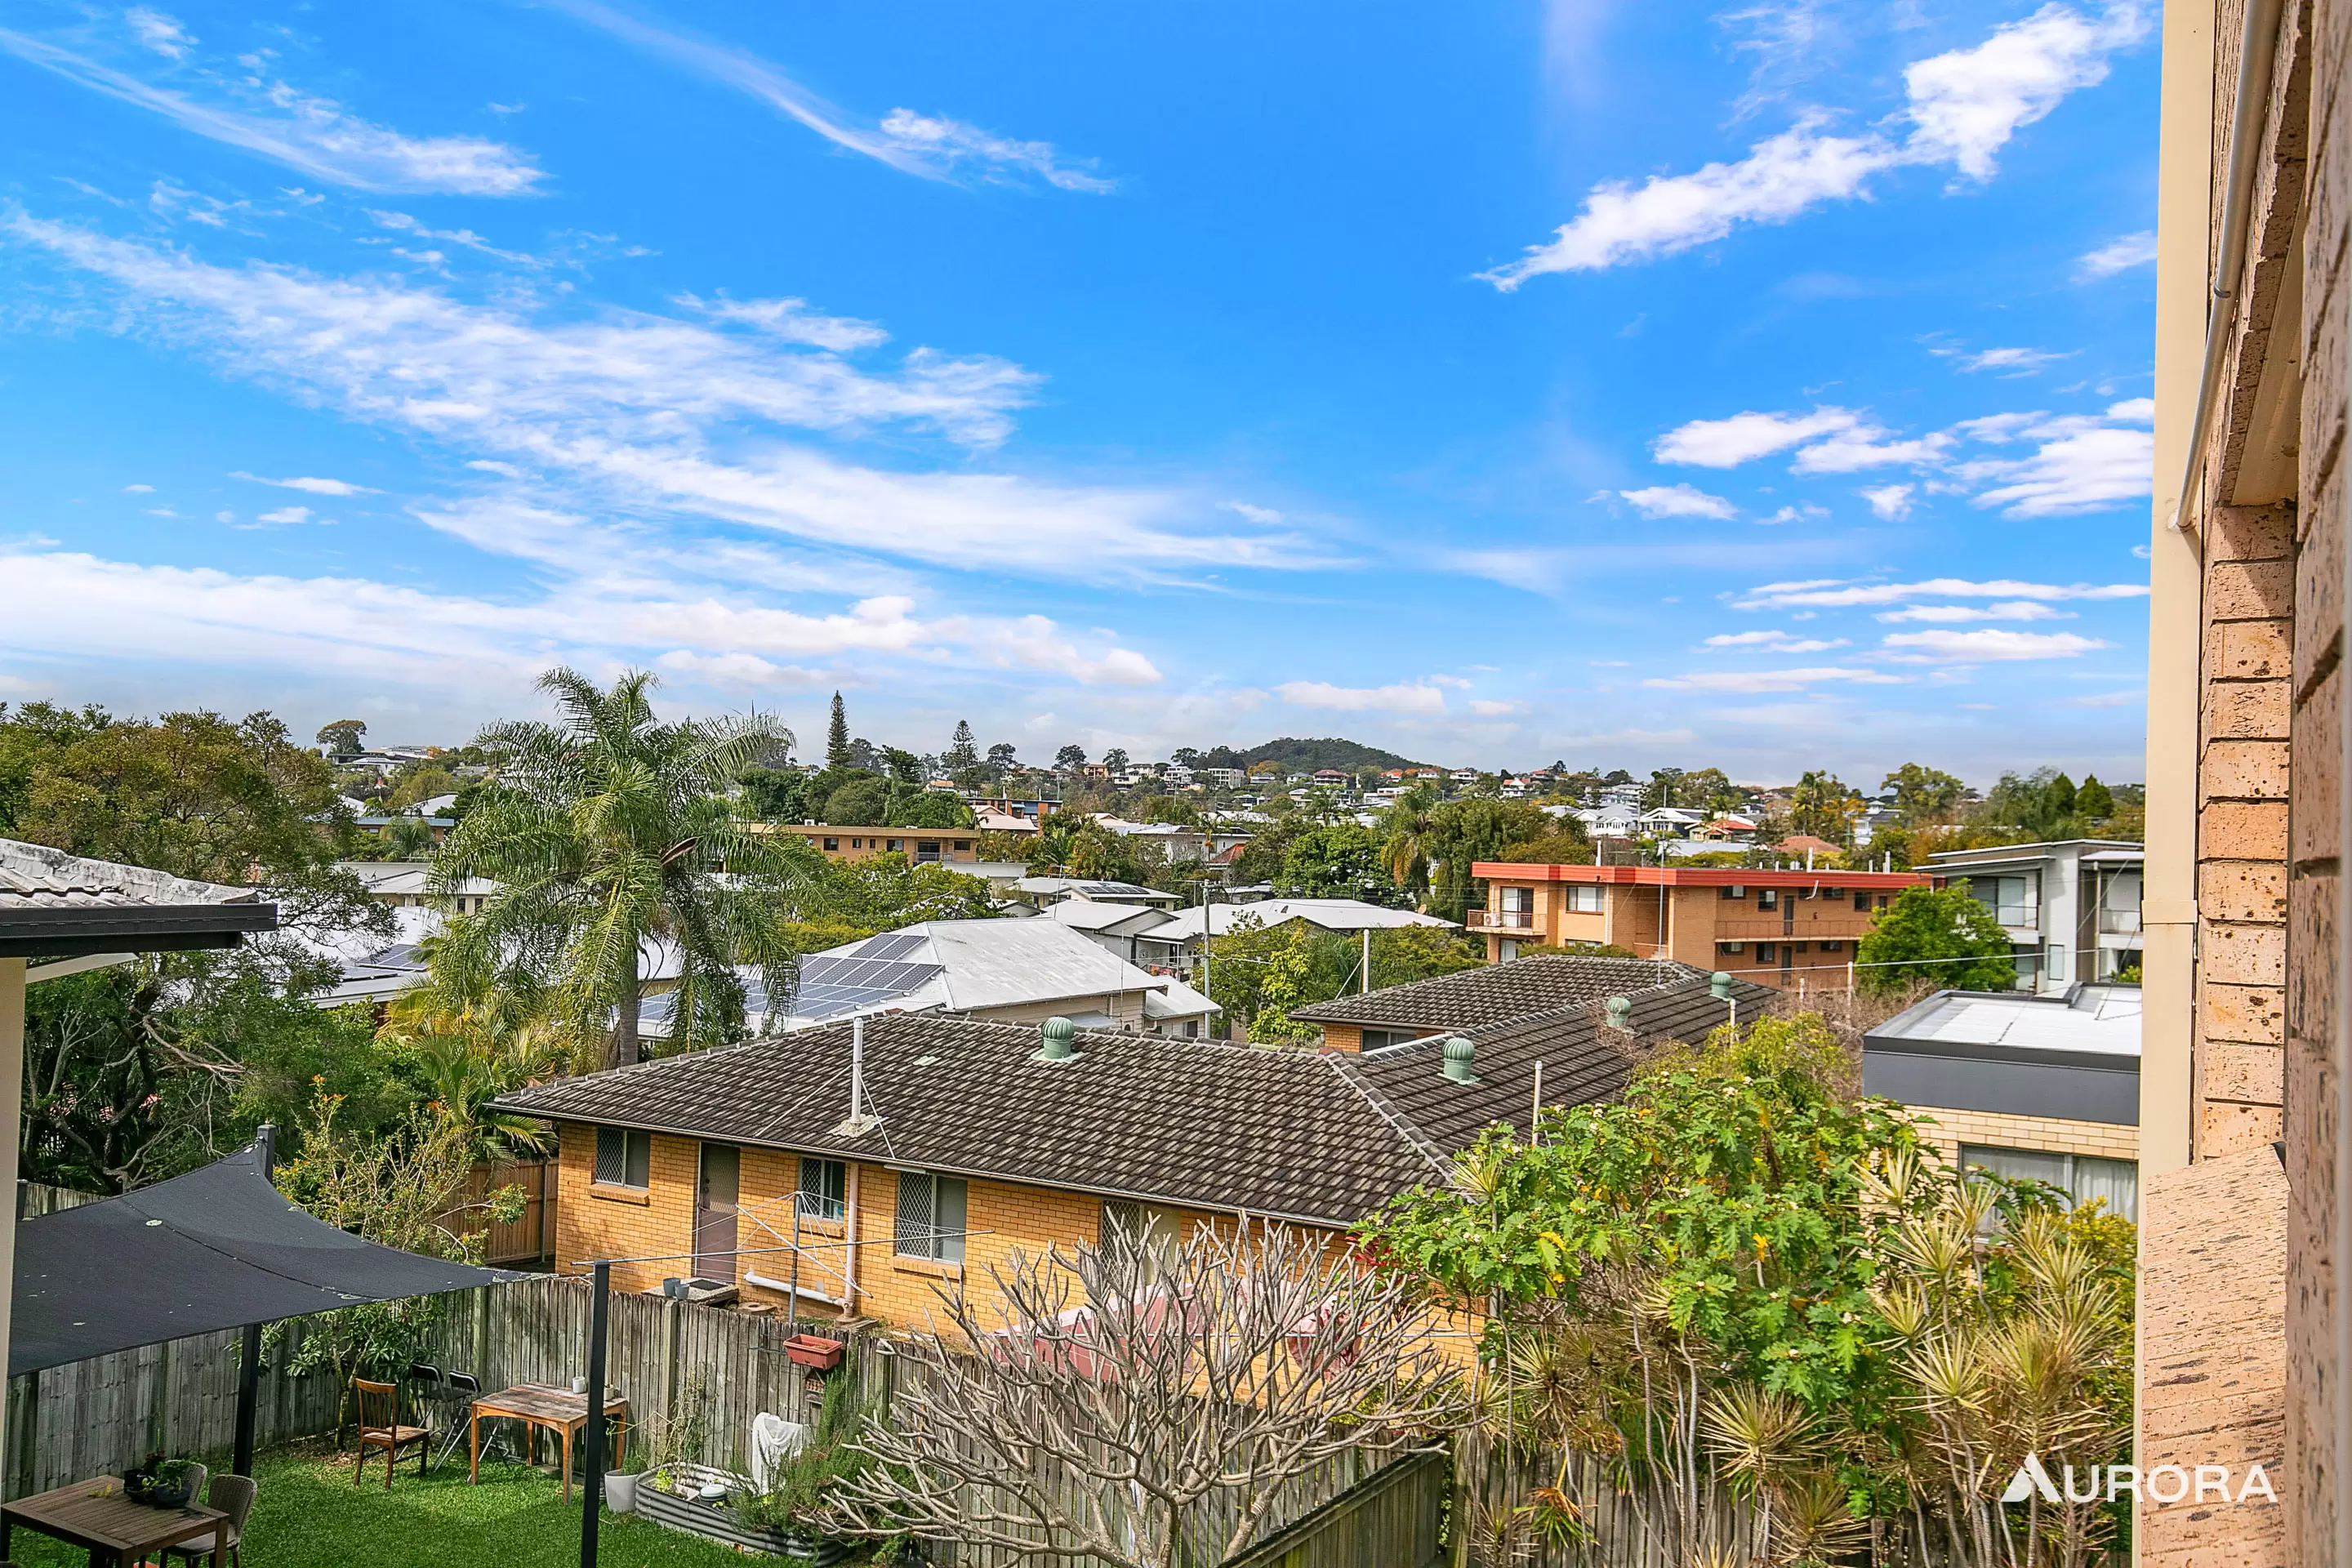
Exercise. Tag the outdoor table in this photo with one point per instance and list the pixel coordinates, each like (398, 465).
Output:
(560, 1410)
(97, 1516)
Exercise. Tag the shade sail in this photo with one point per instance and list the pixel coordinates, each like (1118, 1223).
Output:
(217, 1248)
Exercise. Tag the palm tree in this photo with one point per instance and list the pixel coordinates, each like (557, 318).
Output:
(610, 838)
(1408, 832)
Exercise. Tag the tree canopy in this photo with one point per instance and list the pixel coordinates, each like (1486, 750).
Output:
(1936, 936)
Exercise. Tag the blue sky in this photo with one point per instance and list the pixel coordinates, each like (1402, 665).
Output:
(1628, 384)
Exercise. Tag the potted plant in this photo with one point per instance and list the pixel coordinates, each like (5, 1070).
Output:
(159, 1482)
(813, 1351)
(621, 1490)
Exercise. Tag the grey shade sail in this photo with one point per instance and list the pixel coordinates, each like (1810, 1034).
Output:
(217, 1249)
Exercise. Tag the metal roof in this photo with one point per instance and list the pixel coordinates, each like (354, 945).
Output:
(1332, 914)
(53, 904)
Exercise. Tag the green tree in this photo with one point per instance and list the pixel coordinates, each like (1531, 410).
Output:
(343, 736)
(1922, 794)
(2093, 801)
(863, 802)
(778, 794)
(1340, 861)
(1940, 936)
(1116, 758)
(1465, 832)
(1406, 831)
(1824, 806)
(836, 736)
(1002, 757)
(418, 783)
(609, 833)
(925, 808)
(883, 893)
(1069, 759)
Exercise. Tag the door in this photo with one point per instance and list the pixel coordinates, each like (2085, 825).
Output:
(714, 1212)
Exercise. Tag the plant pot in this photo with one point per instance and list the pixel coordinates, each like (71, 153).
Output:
(813, 1351)
(621, 1493)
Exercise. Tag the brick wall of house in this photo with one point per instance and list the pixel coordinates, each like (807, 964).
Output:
(2248, 641)
(2317, 1533)
(1951, 1128)
(595, 1222)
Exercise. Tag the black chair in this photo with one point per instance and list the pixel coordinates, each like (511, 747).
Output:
(461, 1389)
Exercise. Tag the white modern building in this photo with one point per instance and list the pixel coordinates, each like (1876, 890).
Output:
(2071, 907)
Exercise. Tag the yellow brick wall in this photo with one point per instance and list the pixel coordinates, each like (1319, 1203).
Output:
(1950, 1129)
(594, 1221)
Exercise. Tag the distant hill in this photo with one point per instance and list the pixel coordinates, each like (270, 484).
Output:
(1298, 756)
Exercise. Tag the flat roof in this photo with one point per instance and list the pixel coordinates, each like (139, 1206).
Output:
(1691, 876)
(2090, 1021)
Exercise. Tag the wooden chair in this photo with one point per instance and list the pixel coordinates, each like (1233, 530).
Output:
(380, 1427)
(233, 1495)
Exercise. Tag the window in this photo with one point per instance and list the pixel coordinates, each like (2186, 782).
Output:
(832, 844)
(625, 1157)
(824, 1189)
(892, 846)
(1516, 901)
(1767, 952)
(1830, 947)
(927, 848)
(1730, 947)
(2054, 961)
(1768, 899)
(1861, 900)
(963, 843)
(1584, 899)
(2081, 1177)
(931, 1217)
(1735, 891)
(1146, 1225)
(2015, 901)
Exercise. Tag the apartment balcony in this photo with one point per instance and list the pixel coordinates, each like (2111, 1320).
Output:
(2119, 922)
(1516, 921)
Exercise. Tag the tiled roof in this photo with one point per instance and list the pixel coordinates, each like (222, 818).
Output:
(35, 877)
(1318, 1136)
(1497, 993)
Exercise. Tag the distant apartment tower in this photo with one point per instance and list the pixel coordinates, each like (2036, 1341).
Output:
(1790, 929)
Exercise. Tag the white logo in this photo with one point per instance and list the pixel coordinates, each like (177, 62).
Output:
(2163, 1485)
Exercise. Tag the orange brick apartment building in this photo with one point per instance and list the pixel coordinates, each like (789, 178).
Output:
(1773, 927)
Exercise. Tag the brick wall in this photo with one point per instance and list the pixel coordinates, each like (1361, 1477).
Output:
(2106, 1139)
(2249, 642)
(2313, 1137)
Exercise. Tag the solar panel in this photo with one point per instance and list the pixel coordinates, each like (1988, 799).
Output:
(891, 944)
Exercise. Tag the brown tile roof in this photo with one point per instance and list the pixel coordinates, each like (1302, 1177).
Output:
(1318, 1136)
(1497, 993)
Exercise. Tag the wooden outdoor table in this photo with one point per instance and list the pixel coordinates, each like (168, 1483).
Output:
(95, 1515)
(560, 1410)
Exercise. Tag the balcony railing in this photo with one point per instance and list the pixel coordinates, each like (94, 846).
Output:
(2119, 922)
(1502, 920)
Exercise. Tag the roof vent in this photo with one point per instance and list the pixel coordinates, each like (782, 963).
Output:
(1621, 1013)
(1458, 1052)
(1059, 1039)
(1718, 985)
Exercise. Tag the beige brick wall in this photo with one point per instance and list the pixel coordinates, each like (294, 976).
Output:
(2242, 795)
(1948, 1129)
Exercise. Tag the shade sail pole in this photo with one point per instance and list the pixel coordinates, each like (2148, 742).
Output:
(599, 1302)
(249, 1367)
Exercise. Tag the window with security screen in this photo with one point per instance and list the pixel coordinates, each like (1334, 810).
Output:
(930, 1218)
(824, 1189)
(624, 1157)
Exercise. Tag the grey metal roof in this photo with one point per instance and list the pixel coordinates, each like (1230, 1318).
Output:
(1330, 914)
(57, 904)
(1322, 1136)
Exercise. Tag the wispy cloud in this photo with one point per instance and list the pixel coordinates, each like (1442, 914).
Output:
(2118, 254)
(1776, 679)
(1989, 644)
(1677, 500)
(928, 146)
(1961, 109)
(1743, 438)
(1831, 593)
(2008, 362)
(634, 409)
(1892, 502)
(315, 135)
(2014, 610)
(1774, 642)
(313, 486)
(1418, 696)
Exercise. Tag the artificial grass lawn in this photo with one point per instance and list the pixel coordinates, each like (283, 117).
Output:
(309, 1515)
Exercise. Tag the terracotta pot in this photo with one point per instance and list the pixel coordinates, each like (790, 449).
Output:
(815, 1352)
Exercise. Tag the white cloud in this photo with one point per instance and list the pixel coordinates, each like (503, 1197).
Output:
(1991, 643)
(2077, 470)
(737, 669)
(2118, 254)
(1491, 708)
(1727, 443)
(1832, 592)
(1867, 447)
(2016, 361)
(315, 135)
(139, 489)
(313, 486)
(934, 148)
(1773, 642)
(155, 31)
(792, 321)
(2014, 610)
(1776, 679)
(2133, 410)
(285, 514)
(223, 517)
(955, 143)
(625, 408)
(1414, 698)
(1264, 515)
(1892, 502)
(1795, 513)
(1678, 500)
(2107, 699)
(1962, 107)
